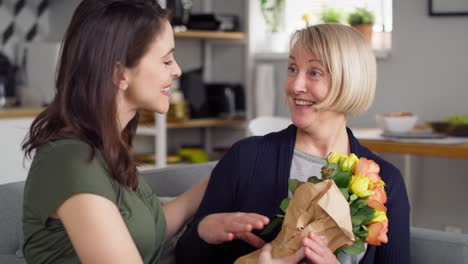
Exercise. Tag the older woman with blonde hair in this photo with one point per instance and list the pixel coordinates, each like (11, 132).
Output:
(331, 74)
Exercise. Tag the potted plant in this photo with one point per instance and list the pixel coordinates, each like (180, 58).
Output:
(273, 13)
(362, 19)
(331, 15)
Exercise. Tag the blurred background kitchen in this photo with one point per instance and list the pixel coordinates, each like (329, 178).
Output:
(234, 61)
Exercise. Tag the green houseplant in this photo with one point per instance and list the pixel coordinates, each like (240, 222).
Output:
(331, 15)
(362, 19)
(272, 11)
(273, 14)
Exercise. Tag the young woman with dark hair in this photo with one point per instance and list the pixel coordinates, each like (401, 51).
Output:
(83, 200)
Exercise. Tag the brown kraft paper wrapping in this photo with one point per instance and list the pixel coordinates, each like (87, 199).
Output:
(320, 208)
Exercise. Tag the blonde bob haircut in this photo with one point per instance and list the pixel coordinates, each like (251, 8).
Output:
(349, 60)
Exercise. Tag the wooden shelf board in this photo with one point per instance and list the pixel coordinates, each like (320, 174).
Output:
(207, 34)
(206, 122)
(18, 112)
(149, 129)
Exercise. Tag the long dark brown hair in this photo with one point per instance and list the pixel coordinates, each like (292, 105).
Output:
(102, 34)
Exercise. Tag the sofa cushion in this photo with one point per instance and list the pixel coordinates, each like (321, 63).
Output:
(11, 233)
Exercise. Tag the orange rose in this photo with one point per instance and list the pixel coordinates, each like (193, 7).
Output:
(378, 199)
(370, 169)
(377, 233)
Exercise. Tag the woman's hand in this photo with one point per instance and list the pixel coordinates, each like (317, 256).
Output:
(222, 227)
(317, 251)
(266, 258)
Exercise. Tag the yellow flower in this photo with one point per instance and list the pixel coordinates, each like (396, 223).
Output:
(350, 163)
(335, 157)
(361, 185)
(382, 183)
(305, 17)
(379, 216)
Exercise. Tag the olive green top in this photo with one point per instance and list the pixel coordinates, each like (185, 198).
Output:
(65, 167)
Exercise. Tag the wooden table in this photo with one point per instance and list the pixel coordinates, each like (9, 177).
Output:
(419, 149)
(411, 148)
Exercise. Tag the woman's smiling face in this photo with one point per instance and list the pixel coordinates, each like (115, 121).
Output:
(308, 83)
(151, 79)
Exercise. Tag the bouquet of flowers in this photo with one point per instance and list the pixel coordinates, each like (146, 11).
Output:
(347, 206)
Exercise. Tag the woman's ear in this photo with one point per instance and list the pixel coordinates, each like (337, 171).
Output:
(121, 77)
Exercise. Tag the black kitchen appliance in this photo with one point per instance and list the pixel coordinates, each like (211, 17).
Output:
(193, 88)
(225, 99)
(7, 81)
(179, 11)
(212, 99)
(211, 21)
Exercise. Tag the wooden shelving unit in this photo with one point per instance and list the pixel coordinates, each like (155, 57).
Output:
(207, 34)
(17, 112)
(150, 129)
(206, 122)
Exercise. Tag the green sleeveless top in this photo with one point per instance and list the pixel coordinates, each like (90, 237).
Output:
(64, 167)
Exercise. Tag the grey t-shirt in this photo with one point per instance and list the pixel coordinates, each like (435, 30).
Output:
(304, 166)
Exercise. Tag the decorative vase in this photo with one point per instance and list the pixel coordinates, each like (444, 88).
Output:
(277, 42)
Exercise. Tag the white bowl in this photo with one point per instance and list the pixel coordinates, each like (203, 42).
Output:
(401, 122)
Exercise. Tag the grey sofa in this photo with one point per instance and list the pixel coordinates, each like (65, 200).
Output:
(165, 182)
(427, 246)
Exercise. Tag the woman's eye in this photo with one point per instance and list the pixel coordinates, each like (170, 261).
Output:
(291, 69)
(168, 62)
(316, 73)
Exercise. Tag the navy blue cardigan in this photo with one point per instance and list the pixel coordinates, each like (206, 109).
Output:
(253, 177)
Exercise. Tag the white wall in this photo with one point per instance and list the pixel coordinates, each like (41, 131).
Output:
(427, 71)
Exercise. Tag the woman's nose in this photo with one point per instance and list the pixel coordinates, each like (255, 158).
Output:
(299, 84)
(177, 71)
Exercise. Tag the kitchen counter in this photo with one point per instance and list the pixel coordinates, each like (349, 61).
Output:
(18, 112)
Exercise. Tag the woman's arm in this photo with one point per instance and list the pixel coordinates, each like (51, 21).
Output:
(181, 209)
(97, 230)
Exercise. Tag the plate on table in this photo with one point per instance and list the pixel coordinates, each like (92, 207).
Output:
(452, 129)
(413, 135)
